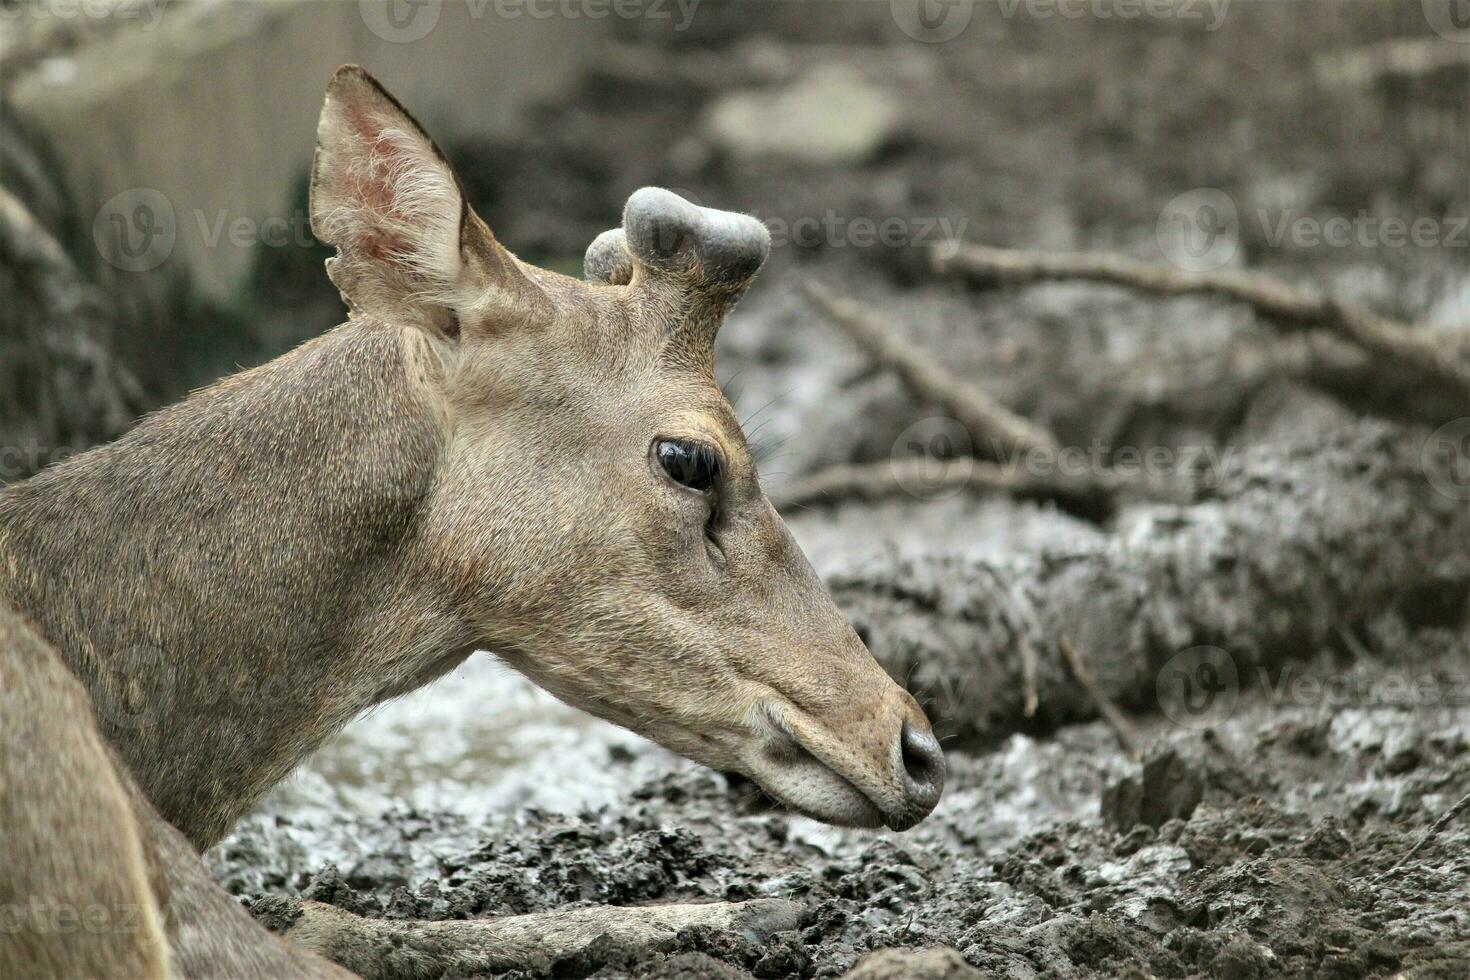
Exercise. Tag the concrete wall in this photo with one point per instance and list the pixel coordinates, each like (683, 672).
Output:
(186, 138)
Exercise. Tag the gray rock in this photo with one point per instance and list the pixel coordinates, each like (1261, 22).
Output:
(830, 115)
(1169, 787)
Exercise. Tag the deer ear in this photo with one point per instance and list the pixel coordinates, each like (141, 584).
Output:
(408, 245)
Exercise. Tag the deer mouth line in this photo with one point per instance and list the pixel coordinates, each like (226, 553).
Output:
(803, 781)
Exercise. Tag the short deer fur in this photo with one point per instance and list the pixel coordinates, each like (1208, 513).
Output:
(486, 455)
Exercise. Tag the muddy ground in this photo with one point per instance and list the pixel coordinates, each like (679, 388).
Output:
(1262, 838)
(1264, 848)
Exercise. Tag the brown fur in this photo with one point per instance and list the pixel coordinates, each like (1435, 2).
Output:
(465, 464)
(75, 894)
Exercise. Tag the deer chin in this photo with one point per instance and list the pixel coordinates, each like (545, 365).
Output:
(803, 783)
(804, 770)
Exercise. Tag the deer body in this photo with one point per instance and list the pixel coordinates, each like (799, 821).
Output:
(238, 578)
(485, 456)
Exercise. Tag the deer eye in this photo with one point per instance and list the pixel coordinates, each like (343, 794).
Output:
(690, 464)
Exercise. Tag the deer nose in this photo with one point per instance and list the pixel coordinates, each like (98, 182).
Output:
(923, 768)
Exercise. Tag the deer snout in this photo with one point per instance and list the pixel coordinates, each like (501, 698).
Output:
(878, 765)
(918, 771)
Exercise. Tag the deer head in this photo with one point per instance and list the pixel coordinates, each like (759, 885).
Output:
(596, 519)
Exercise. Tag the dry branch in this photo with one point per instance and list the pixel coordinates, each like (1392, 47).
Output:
(1013, 439)
(1126, 734)
(537, 943)
(1445, 819)
(982, 415)
(1396, 345)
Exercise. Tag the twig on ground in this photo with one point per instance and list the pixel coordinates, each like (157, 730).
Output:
(1116, 720)
(1028, 679)
(985, 417)
(1286, 306)
(1439, 825)
(1029, 627)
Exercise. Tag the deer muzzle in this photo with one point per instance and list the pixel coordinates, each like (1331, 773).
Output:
(879, 766)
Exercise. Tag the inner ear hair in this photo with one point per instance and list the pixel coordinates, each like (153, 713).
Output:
(384, 194)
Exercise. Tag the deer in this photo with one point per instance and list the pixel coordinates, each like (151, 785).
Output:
(485, 456)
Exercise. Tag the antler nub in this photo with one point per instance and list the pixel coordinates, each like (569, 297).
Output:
(665, 233)
(608, 260)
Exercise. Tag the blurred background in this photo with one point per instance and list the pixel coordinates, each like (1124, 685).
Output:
(162, 149)
(153, 238)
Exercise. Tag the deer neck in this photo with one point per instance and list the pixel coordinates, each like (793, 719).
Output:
(237, 578)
